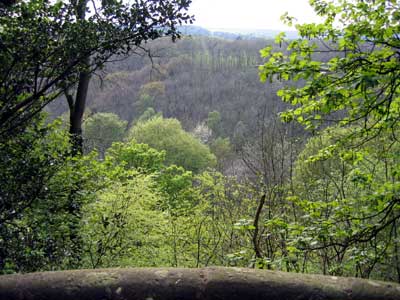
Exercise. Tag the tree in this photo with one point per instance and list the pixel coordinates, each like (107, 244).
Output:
(101, 130)
(140, 157)
(38, 218)
(139, 22)
(47, 48)
(336, 200)
(213, 122)
(222, 149)
(123, 227)
(269, 163)
(144, 218)
(148, 114)
(358, 75)
(346, 70)
(42, 57)
(149, 94)
(181, 148)
(23, 188)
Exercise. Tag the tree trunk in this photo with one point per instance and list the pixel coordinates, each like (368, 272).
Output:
(76, 113)
(77, 107)
(255, 239)
(182, 284)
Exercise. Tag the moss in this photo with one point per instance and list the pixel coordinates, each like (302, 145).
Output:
(103, 278)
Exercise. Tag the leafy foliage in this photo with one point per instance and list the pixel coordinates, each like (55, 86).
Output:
(39, 205)
(154, 199)
(360, 79)
(222, 149)
(351, 185)
(123, 226)
(101, 130)
(345, 205)
(213, 122)
(47, 46)
(181, 148)
(140, 157)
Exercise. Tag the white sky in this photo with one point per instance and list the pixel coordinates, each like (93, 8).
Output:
(249, 14)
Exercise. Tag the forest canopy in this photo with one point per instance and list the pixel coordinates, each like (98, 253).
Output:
(357, 88)
(181, 159)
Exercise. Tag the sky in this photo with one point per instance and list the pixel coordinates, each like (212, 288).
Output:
(249, 14)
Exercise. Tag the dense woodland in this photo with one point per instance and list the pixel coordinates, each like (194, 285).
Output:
(187, 80)
(129, 149)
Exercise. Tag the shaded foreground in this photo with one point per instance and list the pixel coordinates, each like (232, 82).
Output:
(182, 284)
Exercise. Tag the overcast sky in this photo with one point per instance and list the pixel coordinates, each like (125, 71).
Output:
(249, 14)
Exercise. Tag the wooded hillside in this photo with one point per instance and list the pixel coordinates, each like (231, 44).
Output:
(125, 144)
